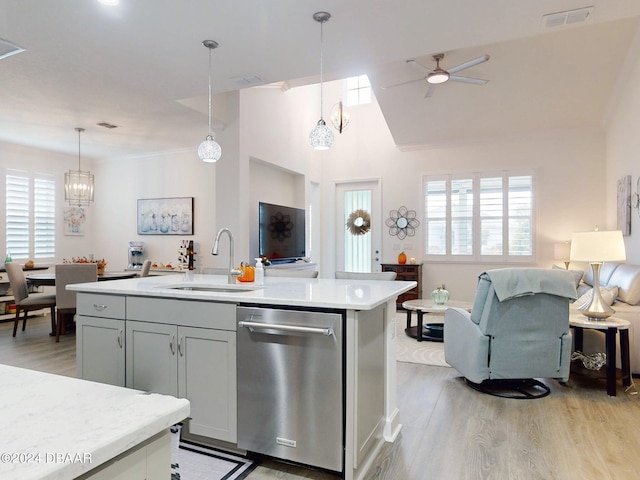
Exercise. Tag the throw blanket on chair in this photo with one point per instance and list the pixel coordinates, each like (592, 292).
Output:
(511, 282)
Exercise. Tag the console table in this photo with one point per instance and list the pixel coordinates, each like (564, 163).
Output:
(411, 272)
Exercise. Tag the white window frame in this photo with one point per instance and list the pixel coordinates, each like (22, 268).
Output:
(476, 256)
(40, 216)
(359, 89)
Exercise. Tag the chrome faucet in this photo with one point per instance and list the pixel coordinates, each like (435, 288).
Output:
(233, 273)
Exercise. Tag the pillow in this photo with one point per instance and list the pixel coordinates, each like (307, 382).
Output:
(577, 274)
(609, 295)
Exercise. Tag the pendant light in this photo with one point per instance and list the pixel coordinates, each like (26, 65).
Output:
(209, 150)
(321, 137)
(78, 185)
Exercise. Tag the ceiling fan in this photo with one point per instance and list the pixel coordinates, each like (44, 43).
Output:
(440, 75)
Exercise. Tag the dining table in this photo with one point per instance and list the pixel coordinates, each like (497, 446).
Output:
(49, 279)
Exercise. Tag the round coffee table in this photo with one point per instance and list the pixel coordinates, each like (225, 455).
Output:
(432, 331)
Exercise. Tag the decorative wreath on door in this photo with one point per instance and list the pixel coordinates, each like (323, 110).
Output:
(359, 222)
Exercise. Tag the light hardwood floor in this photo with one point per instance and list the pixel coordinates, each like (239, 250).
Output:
(449, 430)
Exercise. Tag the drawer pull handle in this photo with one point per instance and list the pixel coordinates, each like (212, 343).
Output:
(180, 348)
(99, 307)
(171, 346)
(120, 338)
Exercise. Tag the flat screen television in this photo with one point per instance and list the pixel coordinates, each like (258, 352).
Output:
(281, 232)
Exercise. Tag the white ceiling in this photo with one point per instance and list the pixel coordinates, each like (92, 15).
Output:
(141, 65)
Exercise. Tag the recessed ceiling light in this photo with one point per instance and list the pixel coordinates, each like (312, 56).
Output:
(109, 2)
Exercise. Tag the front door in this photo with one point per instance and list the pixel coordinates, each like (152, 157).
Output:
(359, 226)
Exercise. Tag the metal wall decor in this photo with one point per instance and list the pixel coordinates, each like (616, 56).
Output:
(402, 223)
(359, 222)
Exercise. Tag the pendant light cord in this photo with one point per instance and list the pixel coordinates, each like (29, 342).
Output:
(321, 51)
(209, 91)
(79, 130)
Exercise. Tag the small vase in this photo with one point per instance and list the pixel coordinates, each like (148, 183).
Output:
(440, 295)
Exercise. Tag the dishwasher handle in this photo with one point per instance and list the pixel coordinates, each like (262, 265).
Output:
(286, 328)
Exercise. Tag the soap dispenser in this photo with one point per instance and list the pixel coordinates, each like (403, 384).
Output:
(259, 277)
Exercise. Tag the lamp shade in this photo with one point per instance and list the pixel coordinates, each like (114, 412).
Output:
(321, 137)
(598, 246)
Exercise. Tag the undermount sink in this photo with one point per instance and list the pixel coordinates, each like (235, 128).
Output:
(211, 288)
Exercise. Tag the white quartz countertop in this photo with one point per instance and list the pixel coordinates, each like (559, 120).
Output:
(57, 427)
(303, 292)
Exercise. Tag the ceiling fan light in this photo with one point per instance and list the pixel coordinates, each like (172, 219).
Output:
(321, 137)
(438, 77)
(209, 150)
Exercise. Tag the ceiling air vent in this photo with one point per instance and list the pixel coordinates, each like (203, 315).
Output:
(107, 125)
(7, 48)
(568, 17)
(248, 80)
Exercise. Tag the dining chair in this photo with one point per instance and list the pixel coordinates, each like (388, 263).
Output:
(366, 275)
(25, 302)
(146, 266)
(66, 274)
(286, 272)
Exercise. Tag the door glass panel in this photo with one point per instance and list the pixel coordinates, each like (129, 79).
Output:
(357, 247)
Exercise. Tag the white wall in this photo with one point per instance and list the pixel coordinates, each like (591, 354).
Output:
(623, 146)
(569, 168)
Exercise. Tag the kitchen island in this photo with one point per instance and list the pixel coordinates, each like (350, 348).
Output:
(63, 428)
(178, 336)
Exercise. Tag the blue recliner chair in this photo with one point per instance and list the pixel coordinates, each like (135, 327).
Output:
(517, 331)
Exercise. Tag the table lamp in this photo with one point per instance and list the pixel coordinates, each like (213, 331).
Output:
(596, 248)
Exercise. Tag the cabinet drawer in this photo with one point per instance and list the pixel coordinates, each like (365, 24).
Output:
(189, 313)
(97, 305)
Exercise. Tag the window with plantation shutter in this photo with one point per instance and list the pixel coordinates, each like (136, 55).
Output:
(481, 217)
(30, 216)
(44, 207)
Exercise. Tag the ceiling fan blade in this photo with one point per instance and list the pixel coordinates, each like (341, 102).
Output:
(469, 64)
(430, 91)
(418, 66)
(474, 81)
(402, 83)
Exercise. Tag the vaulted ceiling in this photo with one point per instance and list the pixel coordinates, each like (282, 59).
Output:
(141, 65)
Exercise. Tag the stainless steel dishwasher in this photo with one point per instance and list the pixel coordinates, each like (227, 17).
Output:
(290, 385)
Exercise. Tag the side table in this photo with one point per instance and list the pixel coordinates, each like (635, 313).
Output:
(610, 326)
(433, 331)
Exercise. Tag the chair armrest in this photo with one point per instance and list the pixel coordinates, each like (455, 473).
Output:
(466, 348)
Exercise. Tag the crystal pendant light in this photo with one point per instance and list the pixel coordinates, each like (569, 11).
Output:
(321, 137)
(78, 185)
(209, 150)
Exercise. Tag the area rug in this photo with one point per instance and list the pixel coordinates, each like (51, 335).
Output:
(409, 350)
(190, 461)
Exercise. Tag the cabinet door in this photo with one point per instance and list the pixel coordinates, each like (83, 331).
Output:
(151, 357)
(207, 377)
(100, 350)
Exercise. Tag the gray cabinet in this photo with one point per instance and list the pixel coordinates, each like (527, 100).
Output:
(187, 361)
(100, 338)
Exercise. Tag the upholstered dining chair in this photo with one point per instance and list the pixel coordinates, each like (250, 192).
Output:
(517, 332)
(366, 275)
(66, 274)
(146, 267)
(25, 302)
(286, 272)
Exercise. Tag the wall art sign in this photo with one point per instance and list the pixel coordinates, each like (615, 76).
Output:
(624, 205)
(165, 216)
